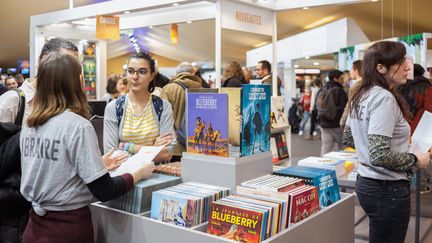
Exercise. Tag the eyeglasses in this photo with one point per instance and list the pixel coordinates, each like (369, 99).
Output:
(141, 72)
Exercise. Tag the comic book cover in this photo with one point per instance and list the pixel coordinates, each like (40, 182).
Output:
(255, 124)
(304, 204)
(234, 115)
(274, 150)
(325, 180)
(235, 223)
(281, 144)
(279, 111)
(174, 208)
(207, 124)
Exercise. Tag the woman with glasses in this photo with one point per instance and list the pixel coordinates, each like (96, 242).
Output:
(140, 118)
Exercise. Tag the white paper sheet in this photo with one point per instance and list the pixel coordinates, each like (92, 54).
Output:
(146, 154)
(422, 137)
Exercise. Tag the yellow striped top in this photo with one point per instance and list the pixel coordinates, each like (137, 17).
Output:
(142, 128)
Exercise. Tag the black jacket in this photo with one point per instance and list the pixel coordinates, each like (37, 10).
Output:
(341, 100)
(234, 82)
(12, 203)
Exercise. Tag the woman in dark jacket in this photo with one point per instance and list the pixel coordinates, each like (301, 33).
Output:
(233, 75)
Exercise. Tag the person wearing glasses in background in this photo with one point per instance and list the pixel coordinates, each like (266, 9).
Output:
(140, 118)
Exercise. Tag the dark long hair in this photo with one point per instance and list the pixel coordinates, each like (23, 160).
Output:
(59, 87)
(386, 53)
(151, 62)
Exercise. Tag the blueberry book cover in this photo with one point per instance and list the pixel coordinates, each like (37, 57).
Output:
(207, 124)
(255, 124)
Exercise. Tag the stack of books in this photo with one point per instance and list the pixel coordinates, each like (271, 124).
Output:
(138, 200)
(325, 163)
(172, 169)
(186, 204)
(351, 161)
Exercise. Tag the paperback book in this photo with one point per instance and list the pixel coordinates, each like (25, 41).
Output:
(279, 111)
(234, 114)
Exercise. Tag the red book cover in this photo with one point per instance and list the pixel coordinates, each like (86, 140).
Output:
(235, 223)
(303, 204)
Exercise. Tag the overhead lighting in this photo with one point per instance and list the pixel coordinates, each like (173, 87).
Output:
(260, 44)
(126, 12)
(374, 0)
(320, 22)
(189, 22)
(316, 63)
(151, 26)
(296, 66)
(175, 4)
(305, 8)
(307, 57)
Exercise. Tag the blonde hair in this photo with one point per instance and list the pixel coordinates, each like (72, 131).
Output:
(233, 69)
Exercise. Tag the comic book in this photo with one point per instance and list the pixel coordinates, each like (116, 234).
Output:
(255, 124)
(337, 165)
(325, 180)
(281, 145)
(303, 204)
(207, 124)
(236, 223)
(279, 111)
(234, 115)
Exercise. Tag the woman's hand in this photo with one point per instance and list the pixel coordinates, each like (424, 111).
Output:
(164, 139)
(112, 161)
(143, 172)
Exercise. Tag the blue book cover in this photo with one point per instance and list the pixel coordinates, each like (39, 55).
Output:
(255, 124)
(207, 124)
(324, 180)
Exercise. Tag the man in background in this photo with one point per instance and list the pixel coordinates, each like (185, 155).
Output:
(263, 71)
(11, 83)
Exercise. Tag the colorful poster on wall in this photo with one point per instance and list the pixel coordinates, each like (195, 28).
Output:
(107, 27)
(89, 69)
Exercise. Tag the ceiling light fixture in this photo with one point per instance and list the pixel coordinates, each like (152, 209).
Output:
(307, 57)
(296, 66)
(126, 12)
(175, 4)
(305, 8)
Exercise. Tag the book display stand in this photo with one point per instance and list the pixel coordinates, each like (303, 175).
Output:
(332, 224)
(287, 130)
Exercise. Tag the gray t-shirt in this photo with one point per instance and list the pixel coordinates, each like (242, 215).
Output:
(58, 159)
(379, 114)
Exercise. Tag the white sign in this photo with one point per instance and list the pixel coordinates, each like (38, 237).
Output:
(146, 154)
(242, 17)
(422, 138)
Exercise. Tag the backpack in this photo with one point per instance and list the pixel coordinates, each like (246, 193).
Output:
(120, 106)
(181, 132)
(326, 104)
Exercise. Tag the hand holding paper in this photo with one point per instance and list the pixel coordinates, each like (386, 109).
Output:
(136, 162)
(422, 137)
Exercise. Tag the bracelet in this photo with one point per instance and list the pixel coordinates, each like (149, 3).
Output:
(126, 148)
(132, 149)
(121, 146)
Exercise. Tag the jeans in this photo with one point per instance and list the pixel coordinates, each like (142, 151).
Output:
(313, 121)
(305, 118)
(331, 138)
(387, 204)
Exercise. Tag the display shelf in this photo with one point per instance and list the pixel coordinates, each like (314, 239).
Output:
(225, 171)
(334, 224)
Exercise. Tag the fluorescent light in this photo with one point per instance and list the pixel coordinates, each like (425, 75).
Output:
(126, 12)
(175, 4)
(316, 63)
(189, 22)
(296, 66)
(307, 57)
(305, 8)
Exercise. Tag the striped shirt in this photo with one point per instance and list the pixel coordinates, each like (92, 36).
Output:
(142, 128)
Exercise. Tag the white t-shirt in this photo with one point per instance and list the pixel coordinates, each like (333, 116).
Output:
(379, 114)
(58, 159)
(9, 102)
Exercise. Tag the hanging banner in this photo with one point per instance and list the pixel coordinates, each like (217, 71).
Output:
(174, 33)
(242, 17)
(107, 27)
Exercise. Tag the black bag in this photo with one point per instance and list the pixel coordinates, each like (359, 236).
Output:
(326, 104)
(9, 140)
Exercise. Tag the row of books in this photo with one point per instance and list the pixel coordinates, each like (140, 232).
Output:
(172, 169)
(262, 208)
(186, 204)
(138, 200)
(278, 147)
(325, 180)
